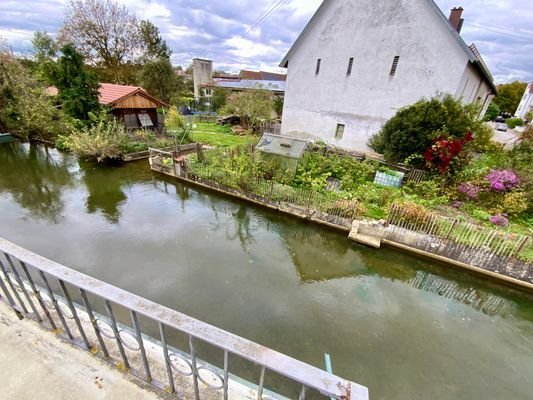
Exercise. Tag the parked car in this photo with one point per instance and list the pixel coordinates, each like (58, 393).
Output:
(499, 118)
(501, 126)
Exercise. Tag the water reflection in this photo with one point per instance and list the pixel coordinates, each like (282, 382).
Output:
(104, 195)
(35, 176)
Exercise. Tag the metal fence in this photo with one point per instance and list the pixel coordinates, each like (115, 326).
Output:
(499, 243)
(112, 323)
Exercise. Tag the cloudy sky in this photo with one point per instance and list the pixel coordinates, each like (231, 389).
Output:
(220, 29)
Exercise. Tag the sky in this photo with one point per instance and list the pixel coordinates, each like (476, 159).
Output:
(220, 29)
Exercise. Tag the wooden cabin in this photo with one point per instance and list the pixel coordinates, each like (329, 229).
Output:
(133, 105)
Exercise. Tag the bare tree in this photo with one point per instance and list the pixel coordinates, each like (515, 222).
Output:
(106, 33)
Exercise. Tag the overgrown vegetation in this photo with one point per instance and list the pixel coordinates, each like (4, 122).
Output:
(250, 106)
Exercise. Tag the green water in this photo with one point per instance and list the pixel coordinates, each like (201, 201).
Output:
(405, 327)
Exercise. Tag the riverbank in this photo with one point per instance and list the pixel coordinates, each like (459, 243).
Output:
(472, 256)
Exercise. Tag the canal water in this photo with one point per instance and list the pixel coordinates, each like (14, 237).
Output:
(405, 327)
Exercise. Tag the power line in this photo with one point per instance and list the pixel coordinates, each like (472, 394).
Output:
(274, 6)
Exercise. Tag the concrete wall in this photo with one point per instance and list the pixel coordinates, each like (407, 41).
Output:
(202, 73)
(373, 33)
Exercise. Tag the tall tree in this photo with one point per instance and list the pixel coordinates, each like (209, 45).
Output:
(78, 88)
(44, 51)
(509, 96)
(153, 45)
(159, 78)
(106, 33)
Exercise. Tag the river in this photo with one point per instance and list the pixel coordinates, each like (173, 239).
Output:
(405, 327)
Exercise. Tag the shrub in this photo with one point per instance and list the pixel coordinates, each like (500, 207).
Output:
(412, 130)
(102, 141)
(500, 220)
(502, 180)
(515, 203)
(514, 122)
(493, 110)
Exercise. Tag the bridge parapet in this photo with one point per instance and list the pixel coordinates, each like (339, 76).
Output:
(120, 327)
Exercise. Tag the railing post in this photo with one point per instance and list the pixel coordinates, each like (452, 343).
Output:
(89, 310)
(23, 288)
(38, 295)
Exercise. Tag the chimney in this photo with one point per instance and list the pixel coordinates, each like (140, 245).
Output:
(455, 18)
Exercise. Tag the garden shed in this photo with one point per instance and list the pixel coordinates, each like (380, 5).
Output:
(132, 104)
(284, 150)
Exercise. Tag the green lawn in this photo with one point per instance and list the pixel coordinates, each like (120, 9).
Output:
(211, 127)
(221, 139)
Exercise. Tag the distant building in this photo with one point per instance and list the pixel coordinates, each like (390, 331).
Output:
(202, 74)
(205, 80)
(526, 104)
(357, 62)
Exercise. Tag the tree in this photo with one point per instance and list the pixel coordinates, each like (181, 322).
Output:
(251, 106)
(219, 97)
(25, 108)
(154, 46)
(509, 96)
(106, 33)
(159, 78)
(78, 88)
(493, 110)
(414, 128)
(44, 52)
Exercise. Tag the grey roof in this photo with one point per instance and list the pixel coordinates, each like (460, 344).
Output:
(281, 145)
(274, 86)
(480, 65)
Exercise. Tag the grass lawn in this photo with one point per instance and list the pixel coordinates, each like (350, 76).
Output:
(211, 127)
(221, 139)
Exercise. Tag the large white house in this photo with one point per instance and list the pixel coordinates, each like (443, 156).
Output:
(358, 61)
(526, 103)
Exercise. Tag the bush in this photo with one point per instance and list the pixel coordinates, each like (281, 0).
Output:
(103, 141)
(414, 128)
(493, 110)
(514, 122)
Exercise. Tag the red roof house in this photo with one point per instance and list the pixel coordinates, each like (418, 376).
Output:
(132, 104)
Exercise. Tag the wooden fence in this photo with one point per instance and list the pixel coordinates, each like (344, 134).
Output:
(272, 127)
(497, 242)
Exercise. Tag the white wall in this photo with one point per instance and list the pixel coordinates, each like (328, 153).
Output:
(526, 103)
(373, 32)
(202, 74)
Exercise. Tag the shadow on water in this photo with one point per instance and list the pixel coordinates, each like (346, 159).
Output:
(35, 176)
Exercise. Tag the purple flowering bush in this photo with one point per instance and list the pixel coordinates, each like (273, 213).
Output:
(500, 220)
(501, 180)
(469, 190)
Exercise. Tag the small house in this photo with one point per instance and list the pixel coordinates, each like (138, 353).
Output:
(133, 105)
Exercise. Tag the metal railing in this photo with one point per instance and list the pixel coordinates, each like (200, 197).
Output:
(466, 234)
(48, 292)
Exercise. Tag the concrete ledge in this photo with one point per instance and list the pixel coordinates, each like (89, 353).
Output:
(38, 364)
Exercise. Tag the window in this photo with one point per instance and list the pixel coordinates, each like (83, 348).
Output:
(339, 131)
(350, 64)
(318, 66)
(394, 65)
(145, 119)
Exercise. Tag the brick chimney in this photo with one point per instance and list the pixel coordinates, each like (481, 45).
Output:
(455, 18)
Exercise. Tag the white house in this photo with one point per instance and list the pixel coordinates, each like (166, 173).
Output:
(526, 104)
(358, 61)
